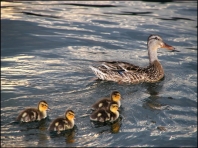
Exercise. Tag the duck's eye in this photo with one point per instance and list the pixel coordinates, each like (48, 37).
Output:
(156, 38)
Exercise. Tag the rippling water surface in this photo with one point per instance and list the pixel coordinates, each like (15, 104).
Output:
(46, 48)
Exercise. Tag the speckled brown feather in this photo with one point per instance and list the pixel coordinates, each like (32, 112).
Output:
(129, 73)
(154, 72)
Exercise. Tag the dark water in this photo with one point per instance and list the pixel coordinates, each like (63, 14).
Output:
(46, 48)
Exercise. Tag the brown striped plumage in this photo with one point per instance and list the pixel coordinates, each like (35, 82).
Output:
(125, 72)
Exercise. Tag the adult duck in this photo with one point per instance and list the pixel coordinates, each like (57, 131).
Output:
(120, 72)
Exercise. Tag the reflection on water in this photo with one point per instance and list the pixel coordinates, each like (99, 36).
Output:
(68, 135)
(115, 127)
(47, 47)
(70, 138)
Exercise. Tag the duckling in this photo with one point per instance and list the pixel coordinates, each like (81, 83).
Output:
(61, 124)
(104, 103)
(103, 115)
(33, 114)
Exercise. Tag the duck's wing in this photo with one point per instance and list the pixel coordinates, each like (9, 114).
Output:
(119, 72)
(117, 65)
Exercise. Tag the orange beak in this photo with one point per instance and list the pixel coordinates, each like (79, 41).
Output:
(167, 46)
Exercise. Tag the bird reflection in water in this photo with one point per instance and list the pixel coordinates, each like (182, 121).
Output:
(43, 138)
(115, 127)
(68, 135)
(153, 102)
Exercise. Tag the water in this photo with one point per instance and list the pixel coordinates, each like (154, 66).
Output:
(46, 48)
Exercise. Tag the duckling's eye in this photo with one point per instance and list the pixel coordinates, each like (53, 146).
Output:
(43, 105)
(156, 38)
(70, 114)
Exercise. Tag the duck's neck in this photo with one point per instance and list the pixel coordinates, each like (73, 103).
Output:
(152, 53)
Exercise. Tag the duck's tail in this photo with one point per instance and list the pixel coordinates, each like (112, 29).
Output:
(98, 73)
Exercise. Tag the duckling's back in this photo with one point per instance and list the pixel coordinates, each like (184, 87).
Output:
(30, 114)
(100, 115)
(57, 124)
(103, 103)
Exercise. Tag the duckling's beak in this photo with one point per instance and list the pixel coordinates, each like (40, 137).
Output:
(167, 46)
(48, 108)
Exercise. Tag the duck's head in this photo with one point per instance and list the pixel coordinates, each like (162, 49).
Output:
(155, 42)
(69, 114)
(114, 107)
(43, 106)
(115, 96)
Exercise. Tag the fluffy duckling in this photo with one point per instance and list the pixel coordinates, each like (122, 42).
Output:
(33, 114)
(61, 124)
(103, 115)
(104, 103)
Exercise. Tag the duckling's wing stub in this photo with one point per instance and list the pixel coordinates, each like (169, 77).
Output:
(103, 103)
(99, 115)
(30, 114)
(57, 124)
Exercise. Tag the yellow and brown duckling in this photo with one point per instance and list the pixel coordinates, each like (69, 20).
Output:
(62, 124)
(103, 115)
(104, 103)
(34, 114)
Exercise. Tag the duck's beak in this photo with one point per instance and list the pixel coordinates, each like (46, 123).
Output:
(167, 46)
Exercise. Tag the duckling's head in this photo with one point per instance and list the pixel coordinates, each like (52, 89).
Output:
(115, 96)
(69, 114)
(114, 107)
(43, 106)
(157, 42)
